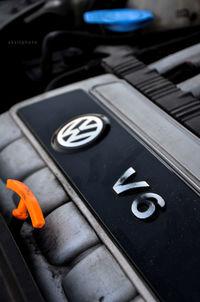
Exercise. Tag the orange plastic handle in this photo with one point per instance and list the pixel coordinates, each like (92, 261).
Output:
(28, 202)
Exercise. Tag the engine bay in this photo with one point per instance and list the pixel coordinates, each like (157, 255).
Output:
(100, 128)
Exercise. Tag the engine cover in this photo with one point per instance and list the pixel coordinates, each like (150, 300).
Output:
(133, 191)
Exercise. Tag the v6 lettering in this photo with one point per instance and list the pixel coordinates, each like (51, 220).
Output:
(144, 206)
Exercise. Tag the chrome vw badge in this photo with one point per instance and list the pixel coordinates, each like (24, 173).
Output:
(80, 132)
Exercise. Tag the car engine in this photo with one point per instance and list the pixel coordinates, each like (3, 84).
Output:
(99, 151)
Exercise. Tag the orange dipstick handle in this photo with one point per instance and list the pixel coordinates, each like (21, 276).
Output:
(28, 202)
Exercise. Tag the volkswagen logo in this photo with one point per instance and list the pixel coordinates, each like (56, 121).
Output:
(80, 132)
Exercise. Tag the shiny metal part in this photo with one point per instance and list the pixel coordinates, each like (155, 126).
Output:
(119, 187)
(145, 201)
(80, 131)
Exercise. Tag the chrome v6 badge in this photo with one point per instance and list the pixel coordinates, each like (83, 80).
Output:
(80, 132)
(144, 206)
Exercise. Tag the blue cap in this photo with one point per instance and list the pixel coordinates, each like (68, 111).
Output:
(119, 20)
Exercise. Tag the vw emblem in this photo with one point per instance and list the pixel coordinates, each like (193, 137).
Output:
(80, 132)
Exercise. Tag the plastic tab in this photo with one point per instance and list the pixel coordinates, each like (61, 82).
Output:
(28, 203)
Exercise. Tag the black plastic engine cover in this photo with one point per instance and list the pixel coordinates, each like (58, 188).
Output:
(165, 248)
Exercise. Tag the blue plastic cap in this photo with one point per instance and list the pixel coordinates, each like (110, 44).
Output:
(119, 20)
